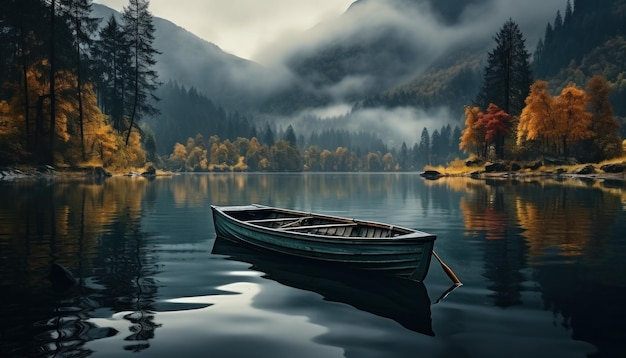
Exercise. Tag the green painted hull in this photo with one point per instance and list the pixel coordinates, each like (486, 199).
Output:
(407, 253)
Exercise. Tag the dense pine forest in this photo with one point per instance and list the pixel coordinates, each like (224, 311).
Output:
(83, 91)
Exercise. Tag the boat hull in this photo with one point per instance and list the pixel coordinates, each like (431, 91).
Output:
(406, 255)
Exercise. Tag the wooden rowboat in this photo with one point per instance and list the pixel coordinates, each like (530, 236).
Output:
(359, 244)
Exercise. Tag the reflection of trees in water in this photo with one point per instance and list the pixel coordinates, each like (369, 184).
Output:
(64, 223)
(487, 214)
(127, 266)
(523, 222)
(278, 189)
(67, 332)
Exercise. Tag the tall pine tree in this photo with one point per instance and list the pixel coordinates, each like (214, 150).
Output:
(140, 29)
(507, 77)
(77, 14)
(112, 67)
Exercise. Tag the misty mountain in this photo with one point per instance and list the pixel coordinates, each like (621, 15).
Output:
(404, 52)
(194, 62)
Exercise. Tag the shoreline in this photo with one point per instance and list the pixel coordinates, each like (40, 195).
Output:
(48, 173)
(547, 175)
(556, 174)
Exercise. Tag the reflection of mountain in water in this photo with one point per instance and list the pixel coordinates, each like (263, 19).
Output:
(401, 300)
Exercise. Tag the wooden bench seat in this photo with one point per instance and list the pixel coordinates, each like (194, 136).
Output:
(322, 226)
(258, 221)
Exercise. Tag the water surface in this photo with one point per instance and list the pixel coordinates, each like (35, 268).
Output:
(542, 264)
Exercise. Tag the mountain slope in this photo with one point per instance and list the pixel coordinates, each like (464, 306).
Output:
(407, 52)
(591, 40)
(194, 62)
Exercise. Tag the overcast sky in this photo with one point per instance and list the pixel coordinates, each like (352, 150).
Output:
(242, 27)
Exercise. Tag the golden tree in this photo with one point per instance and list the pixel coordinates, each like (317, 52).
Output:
(179, 157)
(536, 120)
(472, 137)
(573, 122)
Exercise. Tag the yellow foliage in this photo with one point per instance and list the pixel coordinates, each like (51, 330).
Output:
(8, 124)
(536, 118)
(573, 122)
(561, 122)
(471, 137)
(101, 143)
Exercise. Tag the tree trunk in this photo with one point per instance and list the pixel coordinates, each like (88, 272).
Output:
(25, 79)
(136, 99)
(50, 158)
(79, 91)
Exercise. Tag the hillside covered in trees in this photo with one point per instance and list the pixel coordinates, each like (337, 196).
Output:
(517, 120)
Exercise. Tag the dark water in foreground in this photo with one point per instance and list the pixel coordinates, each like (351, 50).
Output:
(543, 265)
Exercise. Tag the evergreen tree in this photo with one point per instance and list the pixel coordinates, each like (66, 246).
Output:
(268, 135)
(435, 143)
(82, 25)
(52, 93)
(403, 157)
(507, 77)
(424, 147)
(558, 21)
(140, 30)
(455, 141)
(290, 136)
(568, 13)
(415, 156)
(112, 65)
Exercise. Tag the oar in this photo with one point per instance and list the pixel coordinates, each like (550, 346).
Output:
(448, 270)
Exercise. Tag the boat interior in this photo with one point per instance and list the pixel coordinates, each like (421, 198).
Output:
(316, 224)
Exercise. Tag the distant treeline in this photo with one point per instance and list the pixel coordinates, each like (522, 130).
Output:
(284, 154)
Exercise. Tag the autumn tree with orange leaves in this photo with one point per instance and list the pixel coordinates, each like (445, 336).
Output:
(497, 125)
(536, 118)
(573, 120)
(555, 124)
(483, 130)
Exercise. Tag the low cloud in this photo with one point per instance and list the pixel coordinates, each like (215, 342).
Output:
(419, 27)
(478, 20)
(425, 33)
(401, 124)
(392, 126)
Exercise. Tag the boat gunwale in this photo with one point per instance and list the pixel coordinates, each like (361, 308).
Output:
(412, 235)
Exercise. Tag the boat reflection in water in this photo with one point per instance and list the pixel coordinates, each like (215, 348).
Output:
(402, 300)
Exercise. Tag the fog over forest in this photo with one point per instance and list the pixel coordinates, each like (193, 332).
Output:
(417, 35)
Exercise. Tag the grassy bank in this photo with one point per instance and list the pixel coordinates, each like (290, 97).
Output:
(460, 167)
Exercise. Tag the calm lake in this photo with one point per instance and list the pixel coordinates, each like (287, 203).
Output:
(543, 264)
